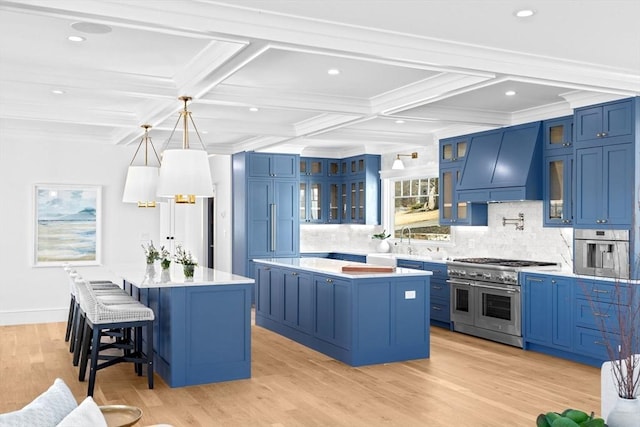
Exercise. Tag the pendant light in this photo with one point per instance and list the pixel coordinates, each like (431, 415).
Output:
(184, 173)
(141, 183)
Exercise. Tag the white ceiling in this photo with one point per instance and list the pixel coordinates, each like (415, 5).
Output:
(442, 66)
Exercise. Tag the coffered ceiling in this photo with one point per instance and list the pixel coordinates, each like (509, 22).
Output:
(410, 71)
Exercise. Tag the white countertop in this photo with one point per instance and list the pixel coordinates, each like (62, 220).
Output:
(137, 275)
(334, 267)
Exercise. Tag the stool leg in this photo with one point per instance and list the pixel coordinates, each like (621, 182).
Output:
(77, 346)
(74, 327)
(149, 328)
(85, 350)
(72, 306)
(95, 348)
(137, 349)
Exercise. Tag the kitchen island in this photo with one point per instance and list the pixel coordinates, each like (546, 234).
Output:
(202, 328)
(359, 319)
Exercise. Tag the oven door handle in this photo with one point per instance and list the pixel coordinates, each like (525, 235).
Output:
(496, 288)
(456, 282)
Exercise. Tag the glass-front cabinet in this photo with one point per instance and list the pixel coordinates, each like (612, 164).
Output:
(453, 149)
(558, 191)
(454, 211)
(558, 133)
(311, 198)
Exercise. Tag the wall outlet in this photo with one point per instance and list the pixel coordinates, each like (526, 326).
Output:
(409, 294)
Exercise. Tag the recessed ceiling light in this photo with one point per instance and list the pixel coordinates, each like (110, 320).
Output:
(524, 13)
(399, 122)
(510, 92)
(57, 91)
(76, 38)
(333, 71)
(91, 28)
(253, 109)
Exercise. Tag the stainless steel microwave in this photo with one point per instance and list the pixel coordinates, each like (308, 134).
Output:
(602, 253)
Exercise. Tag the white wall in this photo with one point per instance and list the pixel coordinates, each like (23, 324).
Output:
(35, 294)
(221, 177)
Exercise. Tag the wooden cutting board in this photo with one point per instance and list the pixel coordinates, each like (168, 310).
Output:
(364, 268)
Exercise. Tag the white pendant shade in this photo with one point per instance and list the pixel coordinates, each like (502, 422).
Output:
(185, 172)
(397, 164)
(141, 184)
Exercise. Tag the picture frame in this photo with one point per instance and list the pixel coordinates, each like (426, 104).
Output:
(67, 225)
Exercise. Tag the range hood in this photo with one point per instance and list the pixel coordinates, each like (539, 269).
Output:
(503, 165)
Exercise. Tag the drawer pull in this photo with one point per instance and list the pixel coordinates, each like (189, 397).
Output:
(437, 288)
(294, 274)
(600, 315)
(436, 308)
(329, 280)
(600, 291)
(600, 343)
(533, 279)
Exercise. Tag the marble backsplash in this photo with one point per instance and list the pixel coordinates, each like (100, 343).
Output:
(534, 242)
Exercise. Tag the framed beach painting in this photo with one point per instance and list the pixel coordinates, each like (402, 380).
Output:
(67, 225)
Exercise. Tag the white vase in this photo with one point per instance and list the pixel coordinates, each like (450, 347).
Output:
(151, 270)
(384, 246)
(625, 413)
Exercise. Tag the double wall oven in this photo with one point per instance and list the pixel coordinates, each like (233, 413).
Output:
(486, 297)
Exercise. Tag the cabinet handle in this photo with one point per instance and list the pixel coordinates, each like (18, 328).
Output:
(599, 134)
(273, 227)
(436, 308)
(599, 291)
(437, 287)
(329, 280)
(603, 134)
(553, 282)
(294, 274)
(533, 279)
(600, 315)
(599, 343)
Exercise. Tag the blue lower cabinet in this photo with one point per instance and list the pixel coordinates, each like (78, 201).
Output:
(358, 321)
(440, 308)
(202, 334)
(298, 300)
(565, 316)
(332, 308)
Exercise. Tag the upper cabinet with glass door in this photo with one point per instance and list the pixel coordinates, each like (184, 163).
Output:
(453, 150)
(558, 133)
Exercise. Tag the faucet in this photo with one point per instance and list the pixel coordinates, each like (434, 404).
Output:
(402, 230)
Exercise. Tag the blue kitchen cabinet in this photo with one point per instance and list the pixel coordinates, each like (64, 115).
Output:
(557, 134)
(269, 292)
(273, 224)
(313, 166)
(332, 310)
(266, 208)
(349, 192)
(454, 211)
(298, 300)
(440, 298)
(598, 306)
(547, 307)
(348, 257)
(453, 150)
(313, 208)
(608, 122)
(273, 165)
(558, 189)
(604, 186)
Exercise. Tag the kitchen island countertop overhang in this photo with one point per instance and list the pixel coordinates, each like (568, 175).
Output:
(359, 319)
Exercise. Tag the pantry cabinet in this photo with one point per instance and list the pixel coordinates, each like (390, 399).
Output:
(266, 217)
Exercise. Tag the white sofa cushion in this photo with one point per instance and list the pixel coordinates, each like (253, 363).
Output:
(46, 410)
(86, 414)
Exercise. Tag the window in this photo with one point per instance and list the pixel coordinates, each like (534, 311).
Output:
(416, 205)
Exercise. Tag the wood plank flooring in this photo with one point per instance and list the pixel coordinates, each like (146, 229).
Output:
(466, 382)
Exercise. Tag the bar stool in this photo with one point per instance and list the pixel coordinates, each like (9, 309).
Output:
(98, 284)
(108, 295)
(100, 317)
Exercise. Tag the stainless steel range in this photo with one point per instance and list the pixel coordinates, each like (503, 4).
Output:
(485, 297)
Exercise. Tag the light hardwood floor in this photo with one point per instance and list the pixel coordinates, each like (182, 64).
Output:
(466, 382)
